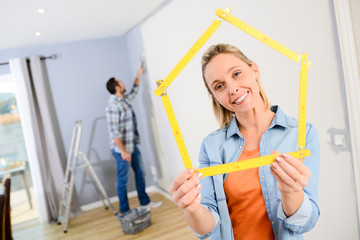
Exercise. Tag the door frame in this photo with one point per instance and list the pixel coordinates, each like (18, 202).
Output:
(351, 77)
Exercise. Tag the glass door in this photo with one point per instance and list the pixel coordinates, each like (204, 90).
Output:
(13, 156)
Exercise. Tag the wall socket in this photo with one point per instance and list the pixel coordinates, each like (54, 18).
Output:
(339, 140)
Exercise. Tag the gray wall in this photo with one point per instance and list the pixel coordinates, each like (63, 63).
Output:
(77, 81)
(144, 106)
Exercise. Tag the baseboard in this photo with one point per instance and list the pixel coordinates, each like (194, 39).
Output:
(164, 193)
(130, 195)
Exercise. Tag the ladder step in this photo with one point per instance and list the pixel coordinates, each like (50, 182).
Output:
(82, 166)
(78, 167)
(64, 203)
(67, 185)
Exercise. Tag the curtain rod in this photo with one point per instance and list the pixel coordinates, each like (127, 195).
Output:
(54, 56)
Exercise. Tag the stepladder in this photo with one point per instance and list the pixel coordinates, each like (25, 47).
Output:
(77, 160)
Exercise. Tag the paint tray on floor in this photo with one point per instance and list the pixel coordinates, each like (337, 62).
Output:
(135, 220)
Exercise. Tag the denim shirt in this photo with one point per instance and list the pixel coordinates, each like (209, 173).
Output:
(225, 145)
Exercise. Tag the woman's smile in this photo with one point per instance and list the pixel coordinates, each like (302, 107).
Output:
(241, 99)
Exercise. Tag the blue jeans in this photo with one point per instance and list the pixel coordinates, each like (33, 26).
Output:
(122, 167)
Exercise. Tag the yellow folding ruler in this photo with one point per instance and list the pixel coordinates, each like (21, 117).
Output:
(254, 162)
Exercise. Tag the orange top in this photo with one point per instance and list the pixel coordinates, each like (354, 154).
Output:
(246, 203)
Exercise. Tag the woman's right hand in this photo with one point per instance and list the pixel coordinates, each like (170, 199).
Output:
(185, 190)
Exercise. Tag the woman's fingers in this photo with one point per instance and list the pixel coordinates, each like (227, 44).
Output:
(195, 204)
(286, 171)
(190, 197)
(298, 165)
(190, 186)
(284, 182)
(290, 172)
(180, 179)
(185, 188)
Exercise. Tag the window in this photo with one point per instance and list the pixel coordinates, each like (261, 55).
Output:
(13, 156)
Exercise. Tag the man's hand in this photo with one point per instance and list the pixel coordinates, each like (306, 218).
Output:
(126, 156)
(140, 71)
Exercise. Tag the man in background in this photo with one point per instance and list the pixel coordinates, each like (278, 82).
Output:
(124, 140)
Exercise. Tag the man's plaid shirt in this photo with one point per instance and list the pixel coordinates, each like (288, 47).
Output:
(122, 121)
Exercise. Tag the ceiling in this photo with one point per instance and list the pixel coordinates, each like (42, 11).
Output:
(66, 21)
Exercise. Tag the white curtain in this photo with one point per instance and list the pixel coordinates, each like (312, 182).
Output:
(43, 142)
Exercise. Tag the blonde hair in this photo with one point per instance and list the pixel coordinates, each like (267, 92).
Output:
(223, 115)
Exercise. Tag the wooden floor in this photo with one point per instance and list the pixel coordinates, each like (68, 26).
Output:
(167, 222)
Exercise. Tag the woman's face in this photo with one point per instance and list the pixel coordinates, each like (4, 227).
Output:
(233, 82)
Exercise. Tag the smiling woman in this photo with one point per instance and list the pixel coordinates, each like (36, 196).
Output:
(268, 202)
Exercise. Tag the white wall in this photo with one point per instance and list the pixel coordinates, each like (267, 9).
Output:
(355, 15)
(304, 27)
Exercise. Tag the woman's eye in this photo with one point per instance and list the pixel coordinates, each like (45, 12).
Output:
(218, 86)
(236, 74)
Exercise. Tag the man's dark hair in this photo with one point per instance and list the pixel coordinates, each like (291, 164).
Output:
(111, 84)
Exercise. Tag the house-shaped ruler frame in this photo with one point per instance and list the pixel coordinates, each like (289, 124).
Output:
(254, 162)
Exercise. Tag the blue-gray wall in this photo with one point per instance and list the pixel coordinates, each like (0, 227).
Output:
(144, 107)
(77, 81)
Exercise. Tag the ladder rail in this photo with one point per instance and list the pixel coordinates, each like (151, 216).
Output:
(73, 163)
(98, 186)
(68, 202)
(68, 164)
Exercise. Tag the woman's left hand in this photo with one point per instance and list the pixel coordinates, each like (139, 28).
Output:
(291, 174)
